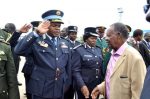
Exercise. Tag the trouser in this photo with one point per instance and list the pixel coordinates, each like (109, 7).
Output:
(4, 95)
(70, 93)
(27, 78)
(38, 97)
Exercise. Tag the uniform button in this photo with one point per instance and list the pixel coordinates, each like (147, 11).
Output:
(56, 58)
(96, 76)
(43, 50)
(56, 49)
(96, 62)
(88, 59)
(3, 91)
(95, 56)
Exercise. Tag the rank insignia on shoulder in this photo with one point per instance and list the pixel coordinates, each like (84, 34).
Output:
(2, 53)
(77, 46)
(43, 44)
(63, 45)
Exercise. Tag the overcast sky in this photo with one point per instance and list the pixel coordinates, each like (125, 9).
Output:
(82, 13)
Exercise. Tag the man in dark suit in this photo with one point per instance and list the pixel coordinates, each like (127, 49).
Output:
(8, 78)
(51, 58)
(144, 49)
(146, 88)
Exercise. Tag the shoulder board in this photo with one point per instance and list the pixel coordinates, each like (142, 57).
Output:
(77, 46)
(3, 41)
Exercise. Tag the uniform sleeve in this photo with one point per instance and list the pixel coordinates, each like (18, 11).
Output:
(14, 39)
(13, 91)
(24, 45)
(137, 77)
(76, 68)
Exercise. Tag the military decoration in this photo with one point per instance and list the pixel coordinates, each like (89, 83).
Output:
(43, 44)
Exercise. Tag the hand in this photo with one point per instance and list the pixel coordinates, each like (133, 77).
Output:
(43, 27)
(25, 28)
(95, 93)
(85, 91)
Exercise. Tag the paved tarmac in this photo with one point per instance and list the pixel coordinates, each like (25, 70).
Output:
(21, 79)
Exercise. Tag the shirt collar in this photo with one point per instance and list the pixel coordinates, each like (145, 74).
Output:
(120, 50)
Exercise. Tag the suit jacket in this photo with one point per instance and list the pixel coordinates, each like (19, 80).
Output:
(51, 65)
(8, 76)
(144, 51)
(146, 88)
(128, 75)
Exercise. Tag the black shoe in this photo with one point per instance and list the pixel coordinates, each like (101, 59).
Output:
(19, 84)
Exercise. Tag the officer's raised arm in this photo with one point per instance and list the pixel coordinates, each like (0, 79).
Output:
(43, 27)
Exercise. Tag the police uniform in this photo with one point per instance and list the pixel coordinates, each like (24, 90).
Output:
(51, 62)
(8, 79)
(69, 94)
(87, 62)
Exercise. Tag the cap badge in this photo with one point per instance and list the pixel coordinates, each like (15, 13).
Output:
(58, 13)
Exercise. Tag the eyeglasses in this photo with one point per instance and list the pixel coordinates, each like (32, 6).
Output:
(146, 8)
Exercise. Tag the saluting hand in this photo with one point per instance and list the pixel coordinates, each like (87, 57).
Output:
(43, 27)
(25, 28)
(85, 92)
(95, 93)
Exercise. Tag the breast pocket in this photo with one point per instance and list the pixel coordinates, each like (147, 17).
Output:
(88, 60)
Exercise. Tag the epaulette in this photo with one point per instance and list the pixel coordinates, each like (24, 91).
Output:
(77, 46)
(3, 41)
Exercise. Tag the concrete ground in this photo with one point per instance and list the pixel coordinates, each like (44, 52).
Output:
(21, 79)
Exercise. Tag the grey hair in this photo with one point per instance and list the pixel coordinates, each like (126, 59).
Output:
(121, 28)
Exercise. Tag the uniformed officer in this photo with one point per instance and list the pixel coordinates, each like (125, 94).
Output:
(87, 62)
(27, 68)
(10, 28)
(8, 78)
(28, 65)
(72, 35)
(101, 42)
(51, 57)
